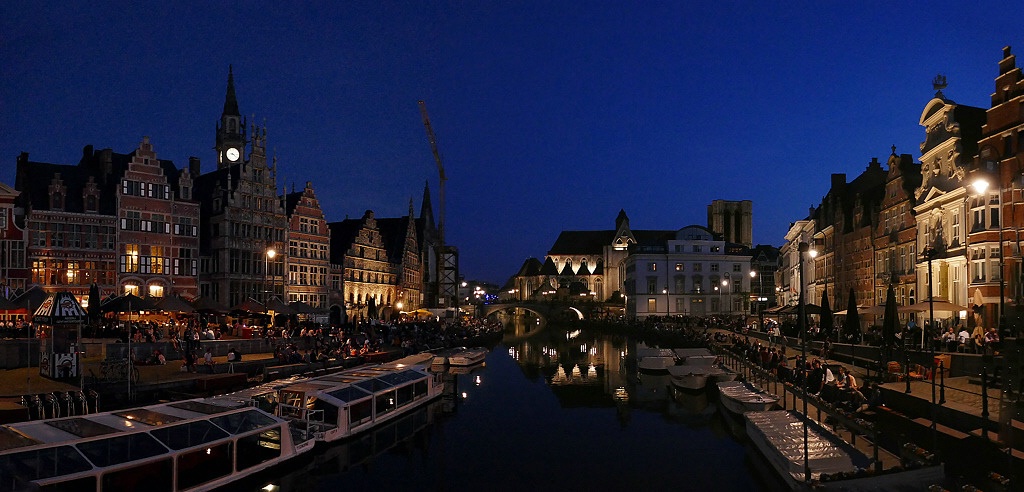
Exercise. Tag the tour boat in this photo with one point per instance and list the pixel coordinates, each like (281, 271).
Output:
(190, 445)
(740, 397)
(467, 357)
(348, 402)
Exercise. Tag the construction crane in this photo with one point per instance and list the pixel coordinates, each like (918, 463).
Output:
(440, 168)
(448, 257)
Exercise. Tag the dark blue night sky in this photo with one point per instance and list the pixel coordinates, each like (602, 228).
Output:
(549, 115)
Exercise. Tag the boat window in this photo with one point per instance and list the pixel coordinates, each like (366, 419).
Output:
(10, 439)
(84, 484)
(360, 412)
(330, 411)
(204, 464)
(257, 448)
(148, 417)
(420, 388)
(41, 463)
(199, 407)
(151, 477)
(404, 395)
(348, 393)
(121, 449)
(238, 423)
(82, 427)
(401, 377)
(374, 385)
(188, 435)
(386, 402)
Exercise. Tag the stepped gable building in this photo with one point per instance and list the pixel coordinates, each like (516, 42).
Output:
(14, 272)
(143, 242)
(243, 218)
(367, 275)
(308, 255)
(895, 233)
(942, 201)
(1000, 163)
(403, 250)
(732, 220)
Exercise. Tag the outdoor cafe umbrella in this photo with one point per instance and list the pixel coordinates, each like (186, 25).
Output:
(371, 308)
(889, 323)
(249, 305)
(209, 306)
(174, 304)
(61, 308)
(31, 299)
(827, 323)
(128, 303)
(94, 302)
(302, 308)
(852, 324)
(938, 303)
(278, 306)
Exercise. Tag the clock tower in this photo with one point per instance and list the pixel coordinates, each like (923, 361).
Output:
(230, 129)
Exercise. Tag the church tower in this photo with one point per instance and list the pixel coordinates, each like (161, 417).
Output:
(230, 129)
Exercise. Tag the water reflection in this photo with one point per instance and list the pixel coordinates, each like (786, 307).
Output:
(541, 396)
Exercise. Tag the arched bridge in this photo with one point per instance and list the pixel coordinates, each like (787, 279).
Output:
(545, 310)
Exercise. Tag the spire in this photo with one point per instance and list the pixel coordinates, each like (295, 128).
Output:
(230, 102)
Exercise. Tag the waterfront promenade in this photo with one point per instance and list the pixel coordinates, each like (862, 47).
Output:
(947, 419)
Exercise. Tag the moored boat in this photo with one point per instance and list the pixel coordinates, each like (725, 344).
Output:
(346, 403)
(468, 357)
(741, 397)
(189, 445)
(694, 378)
(655, 364)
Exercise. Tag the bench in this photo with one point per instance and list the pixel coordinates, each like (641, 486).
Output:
(949, 431)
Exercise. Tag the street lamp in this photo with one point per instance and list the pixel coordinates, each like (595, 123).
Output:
(980, 186)
(760, 297)
(803, 249)
(266, 266)
(724, 283)
(665, 291)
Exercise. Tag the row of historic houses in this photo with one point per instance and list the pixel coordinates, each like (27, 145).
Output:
(136, 223)
(955, 214)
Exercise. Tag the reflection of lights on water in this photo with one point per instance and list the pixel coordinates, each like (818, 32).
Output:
(464, 395)
(621, 394)
(208, 451)
(572, 334)
(622, 354)
(513, 353)
(591, 371)
(583, 348)
(477, 381)
(593, 350)
(270, 487)
(391, 401)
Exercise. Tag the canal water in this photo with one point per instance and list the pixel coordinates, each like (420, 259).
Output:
(556, 409)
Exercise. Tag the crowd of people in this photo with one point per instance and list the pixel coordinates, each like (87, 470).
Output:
(839, 387)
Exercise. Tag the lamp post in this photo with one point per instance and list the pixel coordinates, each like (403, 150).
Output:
(803, 249)
(980, 186)
(665, 291)
(760, 297)
(266, 266)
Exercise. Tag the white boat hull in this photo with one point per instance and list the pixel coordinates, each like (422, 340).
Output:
(740, 398)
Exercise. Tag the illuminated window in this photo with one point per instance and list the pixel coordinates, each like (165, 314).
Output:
(130, 258)
(131, 289)
(156, 291)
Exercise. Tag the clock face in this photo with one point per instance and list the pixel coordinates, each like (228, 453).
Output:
(232, 154)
